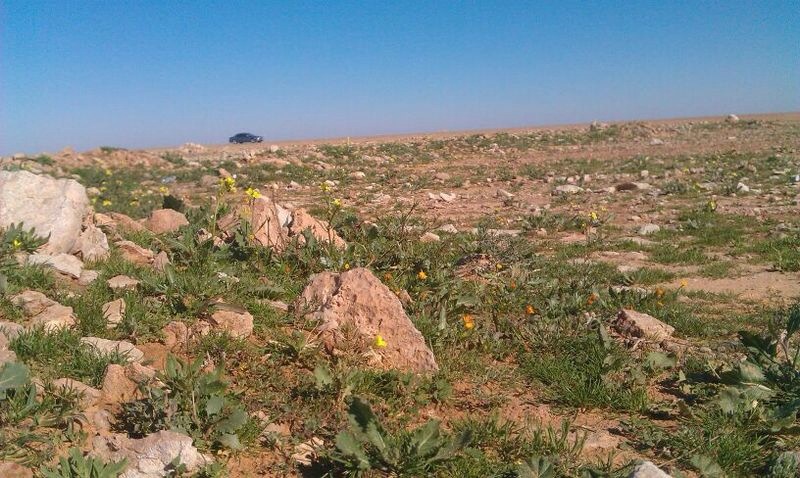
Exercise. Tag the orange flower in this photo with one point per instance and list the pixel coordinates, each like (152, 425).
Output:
(513, 285)
(469, 322)
(529, 309)
(421, 275)
(387, 277)
(592, 298)
(659, 292)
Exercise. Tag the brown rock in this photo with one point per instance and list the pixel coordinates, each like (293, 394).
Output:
(122, 282)
(126, 222)
(54, 318)
(117, 387)
(14, 470)
(637, 324)
(237, 322)
(302, 220)
(175, 334)
(358, 299)
(134, 253)
(165, 220)
(269, 222)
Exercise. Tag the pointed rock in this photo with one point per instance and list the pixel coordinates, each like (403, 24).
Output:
(358, 299)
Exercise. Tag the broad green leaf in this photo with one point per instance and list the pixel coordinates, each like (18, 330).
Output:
(214, 405)
(236, 420)
(13, 375)
(349, 446)
(707, 467)
(660, 361)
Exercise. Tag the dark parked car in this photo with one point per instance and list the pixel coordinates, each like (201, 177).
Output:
(245, 138)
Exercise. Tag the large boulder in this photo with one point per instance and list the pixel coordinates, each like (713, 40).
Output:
(53, 207)
(358, 300)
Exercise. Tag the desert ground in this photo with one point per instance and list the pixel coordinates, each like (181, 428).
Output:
(607, 299)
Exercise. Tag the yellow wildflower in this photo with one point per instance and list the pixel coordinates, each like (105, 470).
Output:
(106, 202)
(379, 342)
(421, 275)
(498, 266)
(347, 266)
(469, 322)
(107, 172)
(593, 215)
(16, 243)
(325, 187)
(163, 190)
(337, 202)
(684, 283)
(228, 184)
(253, 193)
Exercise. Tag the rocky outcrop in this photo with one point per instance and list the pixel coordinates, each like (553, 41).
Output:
(358, 300)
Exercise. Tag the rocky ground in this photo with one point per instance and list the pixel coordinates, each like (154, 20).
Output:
(598, 300)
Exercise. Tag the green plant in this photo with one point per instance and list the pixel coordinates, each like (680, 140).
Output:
(191, 400)
(76, 465)
(368, 446)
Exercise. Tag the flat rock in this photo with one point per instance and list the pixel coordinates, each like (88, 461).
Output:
(64, 263)
(105, 346)
(238, 323)
(87, 277)
(165, 220)
(54, 318)
(122, 282)
(90, 395)
(10, 330)
(637, 324)
(52, 207)
(359, 300)
(32, 302)
(149, 457)
(649, 229)
(567, 189)
(135, 253)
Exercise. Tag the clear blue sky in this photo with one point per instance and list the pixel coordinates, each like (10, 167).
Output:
(150, 73)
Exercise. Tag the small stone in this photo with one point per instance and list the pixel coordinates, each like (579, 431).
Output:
(63, 263)
(90, 395)
(122, 282)
(305, 452)
(32, 302)
(87, 277)
(429, 237)
(117, 387)
(743, 188)
(358, 175)
(732, 118)
(165, 220)
(567, 189)
(161, 261)
(134, 253)
(637, 324)
(503, 194)
(238, 323)
(274, 148)
(447, 197)
(92, 244)
(656, 142)
(644, 174)
(54, 318)
(649, 229)
(647, 469)
(114, 312)
(449, 228)
(441, 177)
(105, 346)
(175, 333)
